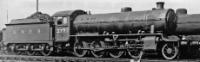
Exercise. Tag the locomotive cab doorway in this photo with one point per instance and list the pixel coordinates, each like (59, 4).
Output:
(61, 29)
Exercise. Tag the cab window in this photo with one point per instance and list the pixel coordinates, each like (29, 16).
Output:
(65, 20)
(61, 20)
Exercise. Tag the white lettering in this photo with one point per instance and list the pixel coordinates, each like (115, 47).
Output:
(61, 30)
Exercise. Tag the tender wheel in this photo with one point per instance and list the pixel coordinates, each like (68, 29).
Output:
(17, 46)
(47, 50)
(21, 52)
(30, 51)
(169, 51)
(78, 51)
(98, 50)
(11, 49)
(116, 53)
(20, 49)
(18, 52)
(4, 50)
(135, 53)
(38, 53)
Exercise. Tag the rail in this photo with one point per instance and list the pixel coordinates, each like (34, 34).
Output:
(20, 58)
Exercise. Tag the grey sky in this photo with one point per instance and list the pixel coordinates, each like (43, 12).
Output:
(22, 8)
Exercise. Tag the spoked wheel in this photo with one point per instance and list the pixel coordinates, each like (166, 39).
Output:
(18, 52)
(30, 51)
(21, 52)
(4, 50)
(116, 53)
(135, 53)
(77, 49)
(20, 49)
(46, 50)
(11, 49)
(98, 50)
(169, 51)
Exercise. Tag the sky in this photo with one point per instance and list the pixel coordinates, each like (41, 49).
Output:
(17, 9)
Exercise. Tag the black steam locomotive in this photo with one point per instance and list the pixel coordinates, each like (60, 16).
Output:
(80, 33)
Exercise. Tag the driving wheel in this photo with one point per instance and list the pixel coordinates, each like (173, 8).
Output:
(135, 53)
(169, 51)
(116, 53)
(98, 50)
(77, 49)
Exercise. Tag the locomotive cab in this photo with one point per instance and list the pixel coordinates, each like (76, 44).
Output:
(63, 23)
(61, 28)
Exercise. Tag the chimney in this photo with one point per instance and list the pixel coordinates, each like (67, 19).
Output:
(126, 9)
(160, 5)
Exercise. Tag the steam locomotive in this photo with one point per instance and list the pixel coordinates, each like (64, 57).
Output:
(113, 34)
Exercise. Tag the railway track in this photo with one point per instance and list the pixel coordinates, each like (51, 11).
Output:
(20, 58)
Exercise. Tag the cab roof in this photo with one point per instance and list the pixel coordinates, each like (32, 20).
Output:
(67, 13)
